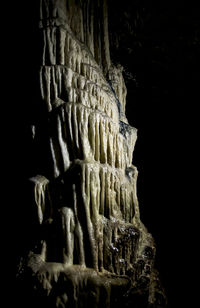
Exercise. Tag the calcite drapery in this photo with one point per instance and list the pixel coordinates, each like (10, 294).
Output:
(87, 233)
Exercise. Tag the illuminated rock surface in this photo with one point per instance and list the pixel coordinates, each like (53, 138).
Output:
(88, 246)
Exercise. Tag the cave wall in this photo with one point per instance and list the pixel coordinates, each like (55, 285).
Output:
(80, 227)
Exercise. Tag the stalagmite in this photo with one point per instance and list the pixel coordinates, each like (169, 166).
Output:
(95, 251)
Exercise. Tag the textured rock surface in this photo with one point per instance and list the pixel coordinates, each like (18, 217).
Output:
(88, 247)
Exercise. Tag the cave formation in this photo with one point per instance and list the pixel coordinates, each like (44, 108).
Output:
(82, 241)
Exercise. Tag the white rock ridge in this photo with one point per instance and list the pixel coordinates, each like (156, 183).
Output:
(85, 206)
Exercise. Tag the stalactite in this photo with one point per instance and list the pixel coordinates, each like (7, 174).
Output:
(87, 213)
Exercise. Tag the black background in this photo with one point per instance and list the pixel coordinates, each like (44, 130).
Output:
(158, 43)
(159, 49)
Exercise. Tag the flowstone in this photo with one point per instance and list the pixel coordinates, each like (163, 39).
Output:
(88, 246)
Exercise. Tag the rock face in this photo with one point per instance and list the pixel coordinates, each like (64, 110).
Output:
(88, 247)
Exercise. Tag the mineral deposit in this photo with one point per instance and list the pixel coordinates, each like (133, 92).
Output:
(89, 247)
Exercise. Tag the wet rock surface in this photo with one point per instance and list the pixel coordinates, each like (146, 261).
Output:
(84, 244)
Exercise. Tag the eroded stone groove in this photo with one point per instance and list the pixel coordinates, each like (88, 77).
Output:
(89, 248)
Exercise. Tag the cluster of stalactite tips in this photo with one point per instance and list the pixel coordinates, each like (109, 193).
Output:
(88, 246)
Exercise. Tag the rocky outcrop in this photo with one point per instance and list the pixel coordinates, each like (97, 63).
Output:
(89, 247)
